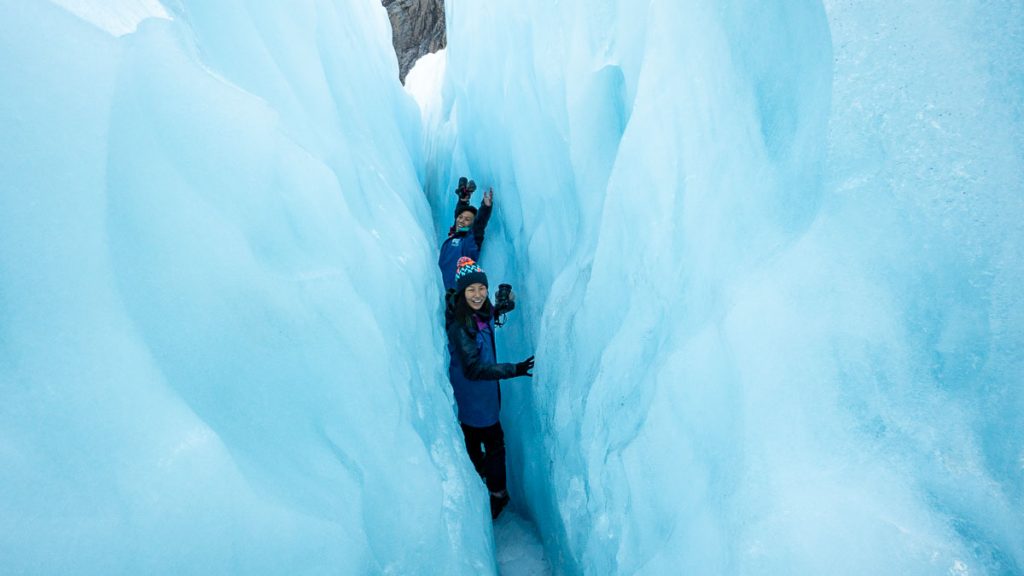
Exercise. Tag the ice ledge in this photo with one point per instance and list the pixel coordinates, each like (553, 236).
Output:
(118, 17)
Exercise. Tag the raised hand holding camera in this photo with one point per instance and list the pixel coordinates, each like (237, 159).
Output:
(504, 302)
(465, 189)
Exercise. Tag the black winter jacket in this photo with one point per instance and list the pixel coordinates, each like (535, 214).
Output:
(474, 371)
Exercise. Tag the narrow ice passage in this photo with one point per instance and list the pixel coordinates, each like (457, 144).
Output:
(768, 256)
(518, 547)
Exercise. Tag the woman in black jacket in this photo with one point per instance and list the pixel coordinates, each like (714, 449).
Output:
(474, 372)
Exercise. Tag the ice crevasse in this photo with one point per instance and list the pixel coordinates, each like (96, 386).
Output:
(768, 255)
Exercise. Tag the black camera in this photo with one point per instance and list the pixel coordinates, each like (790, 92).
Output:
(465, 189)
(503, 303)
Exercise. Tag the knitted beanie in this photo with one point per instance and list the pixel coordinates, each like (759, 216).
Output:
(468, 272)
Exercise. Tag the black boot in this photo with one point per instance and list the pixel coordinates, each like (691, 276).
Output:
(498, 502)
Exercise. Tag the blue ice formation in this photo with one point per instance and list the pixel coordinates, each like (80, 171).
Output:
(218, 351)
(768, 254)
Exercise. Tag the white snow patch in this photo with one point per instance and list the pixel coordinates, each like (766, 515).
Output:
(520, 552)
(424, 81)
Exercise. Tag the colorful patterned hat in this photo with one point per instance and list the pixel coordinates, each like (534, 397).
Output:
(468, 272)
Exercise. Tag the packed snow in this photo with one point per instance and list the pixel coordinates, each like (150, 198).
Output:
(519, 549)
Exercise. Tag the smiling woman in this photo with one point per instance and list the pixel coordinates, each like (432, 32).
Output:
(474, 371)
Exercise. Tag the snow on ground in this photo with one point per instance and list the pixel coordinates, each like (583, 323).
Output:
(519, 550)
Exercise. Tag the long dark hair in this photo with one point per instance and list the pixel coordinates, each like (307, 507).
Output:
(464, 314)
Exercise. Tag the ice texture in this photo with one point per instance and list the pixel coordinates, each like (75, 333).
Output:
(219, 350)
(117, 18)
(769, 257)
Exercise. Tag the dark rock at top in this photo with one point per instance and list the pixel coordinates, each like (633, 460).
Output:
(417, 28)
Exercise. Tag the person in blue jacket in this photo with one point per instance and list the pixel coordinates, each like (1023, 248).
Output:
(466, 236)
(474, 372)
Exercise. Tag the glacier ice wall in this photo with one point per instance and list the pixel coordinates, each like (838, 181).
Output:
(769, 258)
(215, 355)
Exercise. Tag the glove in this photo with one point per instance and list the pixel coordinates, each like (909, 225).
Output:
(523, 368)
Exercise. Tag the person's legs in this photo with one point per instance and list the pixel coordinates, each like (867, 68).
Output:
(493, 438)
(474, 437)
(494, 467)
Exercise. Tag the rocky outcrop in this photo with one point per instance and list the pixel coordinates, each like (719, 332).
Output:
(417, 28)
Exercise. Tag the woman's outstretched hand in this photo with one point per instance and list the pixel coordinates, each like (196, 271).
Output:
(523, 368)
